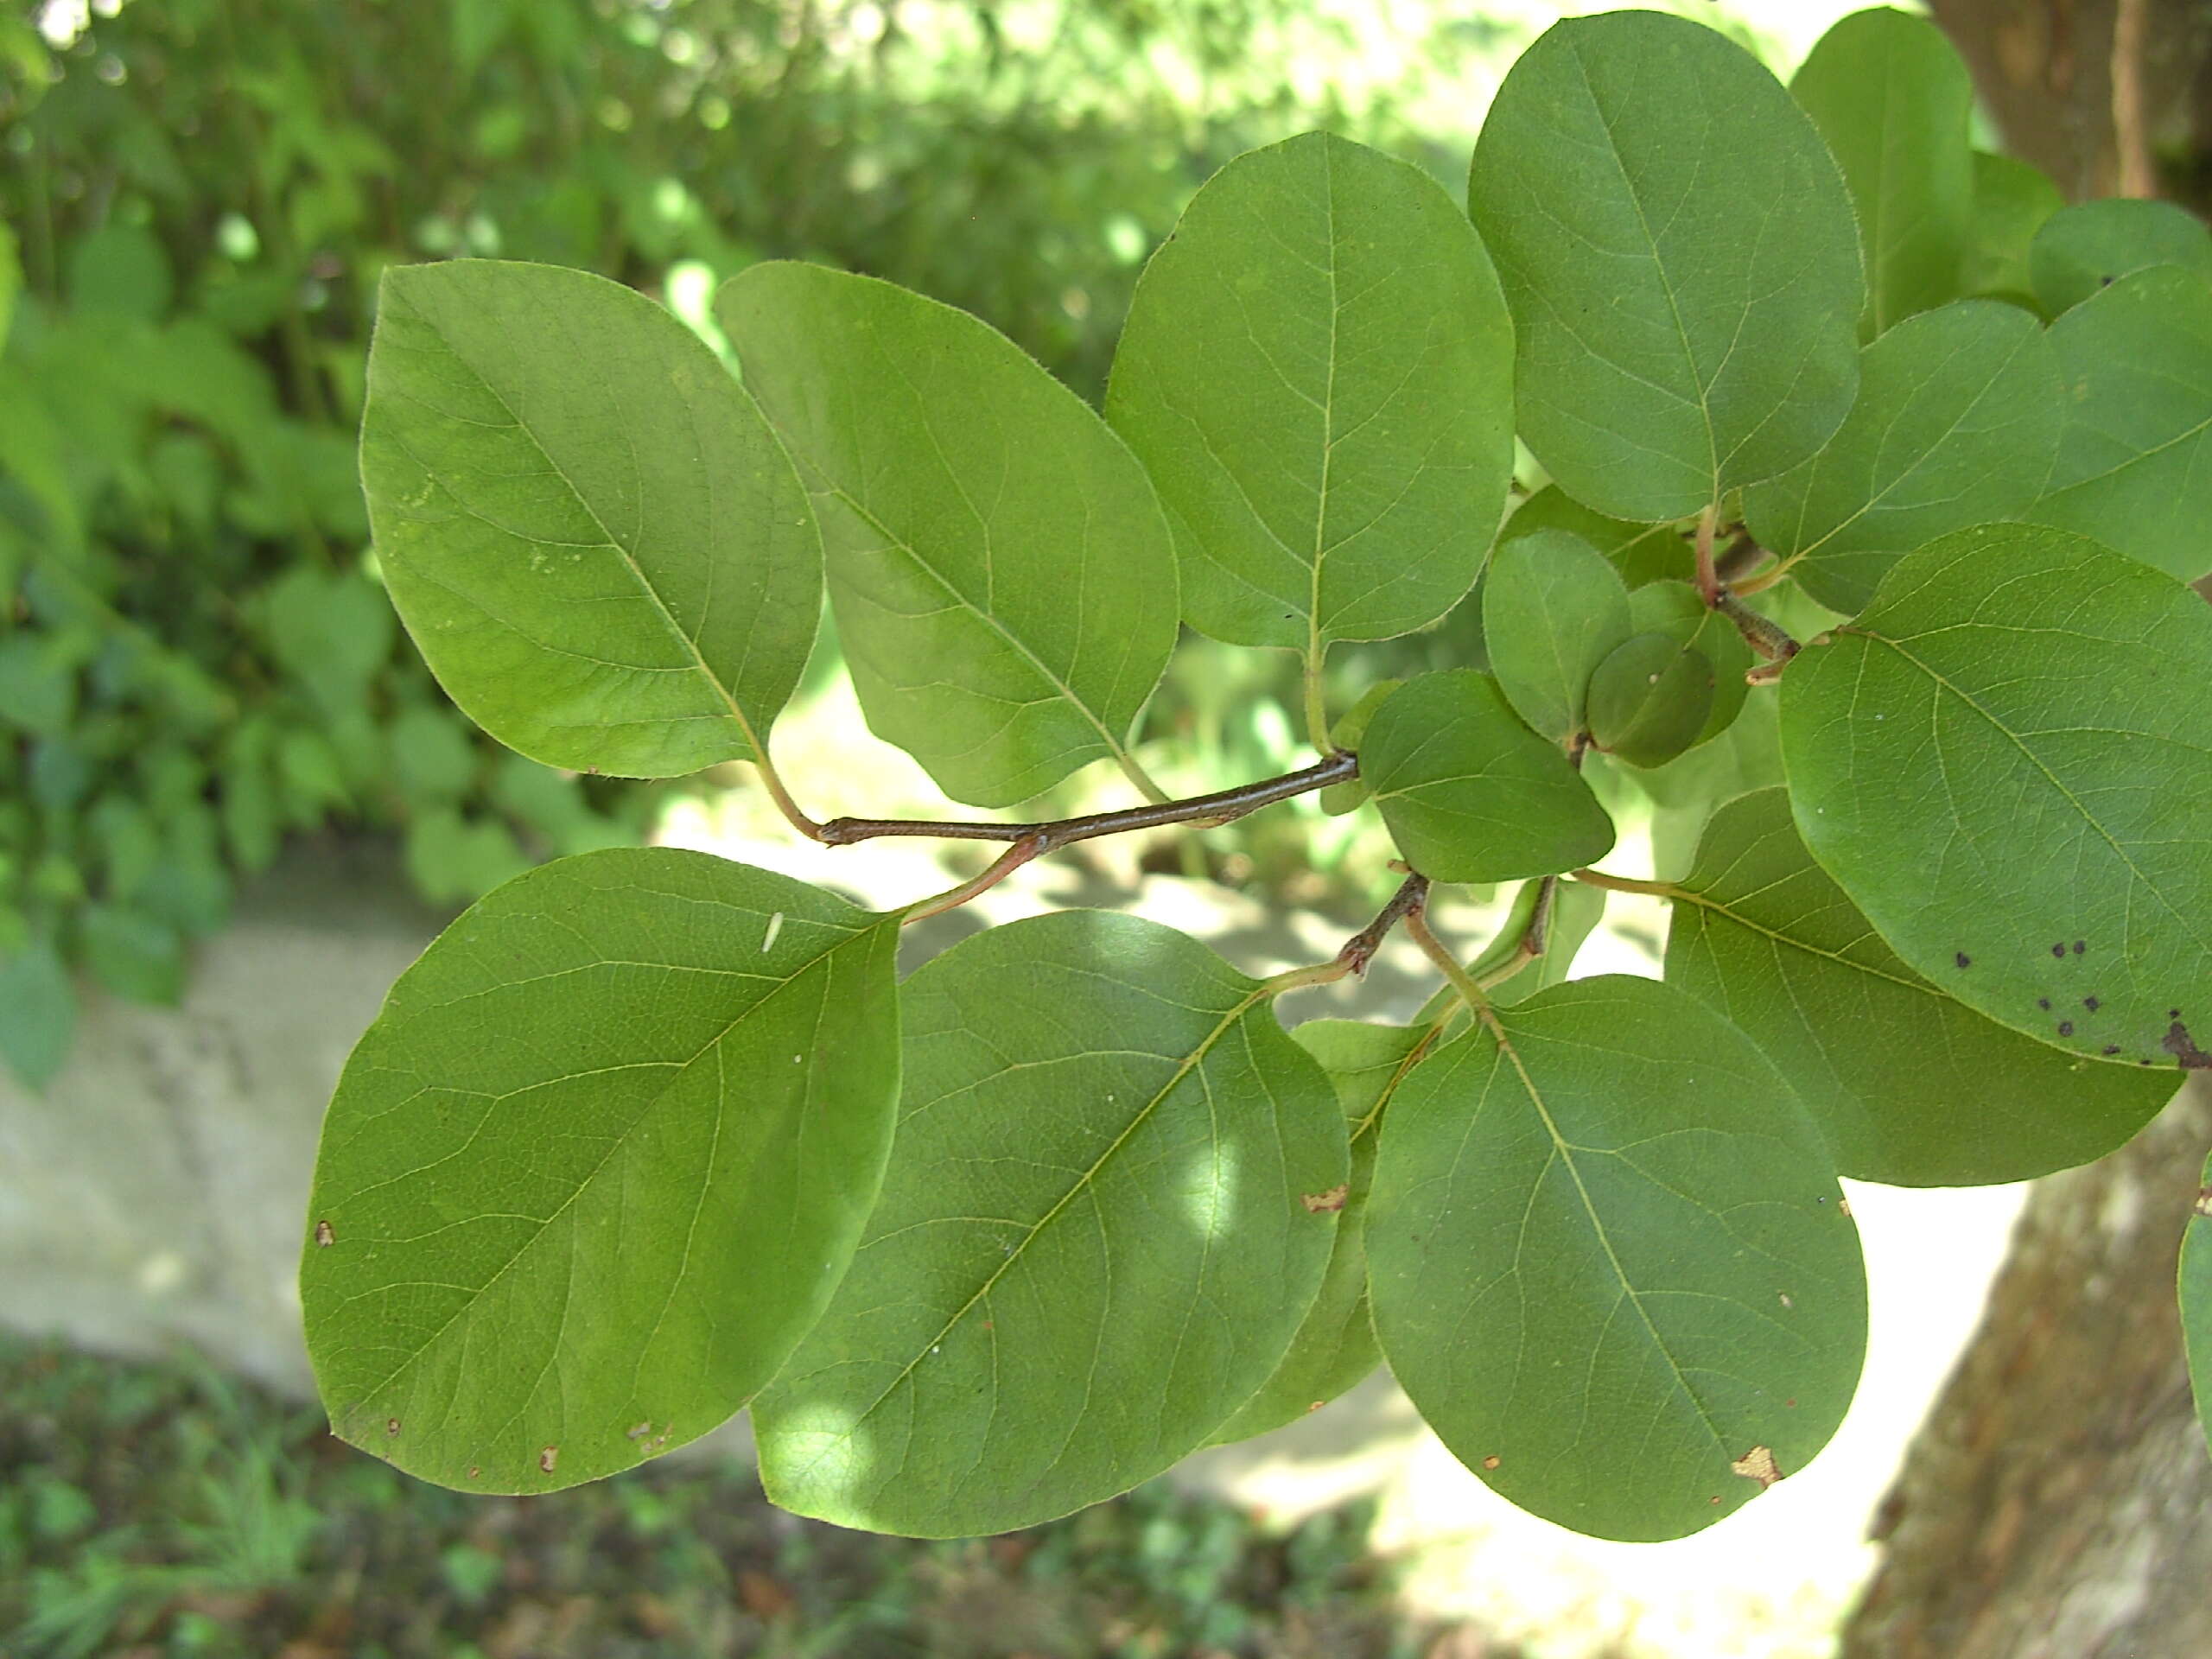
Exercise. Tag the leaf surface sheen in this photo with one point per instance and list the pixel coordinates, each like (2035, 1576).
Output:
(1335, 1348)
(1957, 423)
(2134, 467)
(2012, 202)
(1317, 372)
(600, 547)
(2002, 762)
(1003, 578)
(1608, 1259)
(1893, 99)
(599, 1164)
(1469, 792)
(1683, 272)
(1909, 1085)
(1094, 1245)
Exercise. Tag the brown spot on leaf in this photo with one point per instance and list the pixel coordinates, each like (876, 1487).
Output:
(1316, 1203)
(1844, 1204)
(2059, 950)
(1759, 1465)
(639, 1433)
(473, 1472)
(1964, 960)
(2178, 1043)
(1490, 1463)
(2204, 1201)
(2080, 945)
(550, 1456)
(2091, 1004)
(325, 1233)
(391, 1425)
(2066, 1029)
(1715, 1498)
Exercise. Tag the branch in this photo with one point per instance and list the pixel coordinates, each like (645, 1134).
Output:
(1762, 634)
(1221, 807)
(1031, 840)
(1359, 949)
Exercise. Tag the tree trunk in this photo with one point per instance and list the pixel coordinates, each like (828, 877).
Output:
(2057, 1503)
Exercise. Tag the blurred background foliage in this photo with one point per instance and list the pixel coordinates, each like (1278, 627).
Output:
(195, 660)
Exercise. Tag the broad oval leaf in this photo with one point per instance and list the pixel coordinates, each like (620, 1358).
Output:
(1651, 699)
(2134, 466)
(1893, 99)
(2081, 250)
(1003, 579)
(2196, 1287)
(1317, 372)
(1957, 423)
(1469, 792)
(2011, 201)
(1641, 553)
(600, 549)
(1609, 1263)
(1335, 1348)
(1105, 1221)
(1909, 1085)
(1674, 609)
(1552, 609)
(1683, 271)
(597, 1166)
(2002, 762)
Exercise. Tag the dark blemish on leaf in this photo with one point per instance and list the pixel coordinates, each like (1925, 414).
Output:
(2142, 1062)
(2112, 1048)
(1491, 1463)
(1791, 1402)
(2066, 1029)
(2173, 1013)
(1318, 1203)
(2059, 950)
(325, 1234)
(2080, 945)
(2091, 1004)
(1964, 960)
(1759, 1465)
(639, 1433)
(2043, 1002)
(391, 1425)
(548, 1458)
(2178, 1043)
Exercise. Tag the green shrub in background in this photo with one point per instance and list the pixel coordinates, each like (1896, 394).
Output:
(194, 656)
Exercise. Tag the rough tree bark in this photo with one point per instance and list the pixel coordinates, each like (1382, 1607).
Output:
(2057, 1503)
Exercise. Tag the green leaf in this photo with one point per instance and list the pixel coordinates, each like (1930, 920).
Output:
(120, 269)
(432, 754)
(38, 1013)
(1552, 609)
(1469, 792)
(1893, 99)
(1003, 578)
(2195, 1287)
(12, 280)
(132, 954)
(1609, 1262)
(597, 1166)
(38, 684)
(1651, 699)
(455, 860)
(2134, 467)
(1317, 372)
(1682, 266)
(1957, 423)
(1093, 1247)
(331, 633)
(2002, 762)
(2086, 248)
(1909, 1085)
(1335, 1348)
(600, 547)
(2012, 199)
(1674, 609)
(1641, 553)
